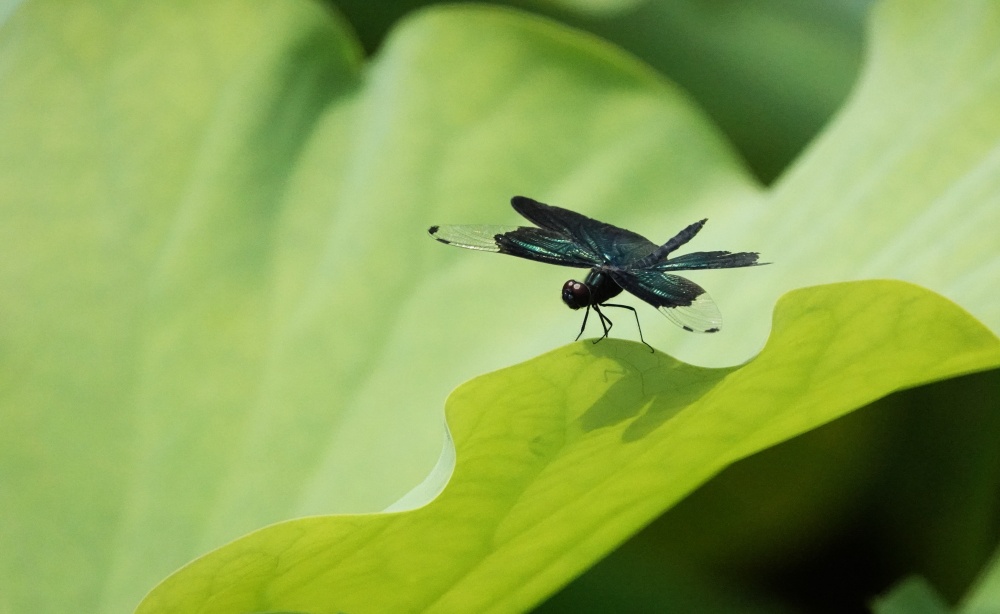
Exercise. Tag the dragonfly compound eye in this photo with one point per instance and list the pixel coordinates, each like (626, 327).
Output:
(575, 294)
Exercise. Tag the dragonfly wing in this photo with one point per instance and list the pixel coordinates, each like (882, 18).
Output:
(701, 316)
(684, 302)
(483, 238)
(709, 260)
(537, 244)
(614, 245)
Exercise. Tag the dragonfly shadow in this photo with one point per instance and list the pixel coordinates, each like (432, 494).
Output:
(650, 389)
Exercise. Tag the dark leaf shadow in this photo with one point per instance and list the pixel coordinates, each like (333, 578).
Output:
(649, 391)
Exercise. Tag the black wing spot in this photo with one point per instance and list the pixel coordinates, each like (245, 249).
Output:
(691, 330)
(433, 230)
(711, 330)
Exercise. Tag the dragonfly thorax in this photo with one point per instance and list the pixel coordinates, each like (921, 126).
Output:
(594, 290)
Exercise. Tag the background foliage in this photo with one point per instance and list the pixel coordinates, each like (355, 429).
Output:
(219, 309)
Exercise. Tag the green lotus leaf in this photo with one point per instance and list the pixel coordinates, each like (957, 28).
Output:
(562, 457)
(912, 596)
(915, 595)
(985, 594)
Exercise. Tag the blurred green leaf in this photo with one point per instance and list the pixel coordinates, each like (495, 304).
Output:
(593, 7)
(984, 597)
(912, 596)
(769, 73)
(149, 371)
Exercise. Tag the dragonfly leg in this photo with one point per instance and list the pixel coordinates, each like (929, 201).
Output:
(606, 323)
(637, 325)
(584, 325)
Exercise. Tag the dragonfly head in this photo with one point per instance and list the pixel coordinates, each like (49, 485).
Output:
(575, 294)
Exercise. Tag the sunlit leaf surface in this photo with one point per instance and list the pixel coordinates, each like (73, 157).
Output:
(561, 457)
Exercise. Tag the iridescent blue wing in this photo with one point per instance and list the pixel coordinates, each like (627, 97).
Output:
(659, 259)
(709, 260)
(684, 302)
(537, 244)
(612, 244)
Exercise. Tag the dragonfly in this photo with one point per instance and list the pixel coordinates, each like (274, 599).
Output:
(618, 260)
